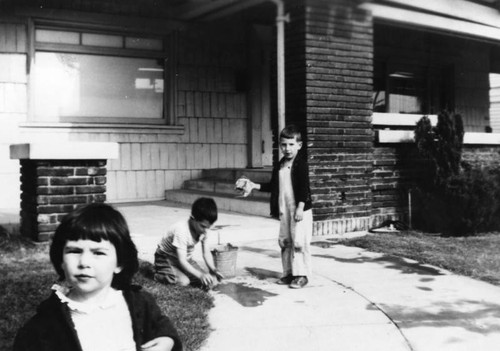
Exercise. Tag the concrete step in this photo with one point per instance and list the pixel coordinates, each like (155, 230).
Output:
(219, 186)
(258, 175)
(250, 205)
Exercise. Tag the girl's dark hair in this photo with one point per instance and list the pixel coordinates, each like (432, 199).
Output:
(291, 131)
(204, 208)
(97, 222)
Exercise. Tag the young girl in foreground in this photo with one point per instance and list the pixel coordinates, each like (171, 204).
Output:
(97, 308)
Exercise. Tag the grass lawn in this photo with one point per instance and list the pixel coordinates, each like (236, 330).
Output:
(476, 256)
(26, 276)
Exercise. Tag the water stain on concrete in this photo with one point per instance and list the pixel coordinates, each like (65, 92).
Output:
(322, 244)
(425, 280)
(424, 288)
(263, 274)
(244, 294)
(267, 252)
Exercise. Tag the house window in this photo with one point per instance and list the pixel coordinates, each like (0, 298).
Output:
(89, 77)
(409, 88)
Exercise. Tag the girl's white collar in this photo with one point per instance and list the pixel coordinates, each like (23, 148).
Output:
(62, 291)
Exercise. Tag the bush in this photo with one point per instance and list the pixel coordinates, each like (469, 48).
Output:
(463, 204)
(453, 198)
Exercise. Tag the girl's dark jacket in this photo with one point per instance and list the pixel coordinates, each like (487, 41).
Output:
(300, 183)
(52, 329)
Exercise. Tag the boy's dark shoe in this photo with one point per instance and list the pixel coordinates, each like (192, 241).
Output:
(299, 282)
(285, 280)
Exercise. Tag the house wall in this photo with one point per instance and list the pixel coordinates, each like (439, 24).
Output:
(328, 90)
(211, 107)
(465, 64)
(13, 106)
(396, 168)
(357, 183)
(472, 87)
(495, 102)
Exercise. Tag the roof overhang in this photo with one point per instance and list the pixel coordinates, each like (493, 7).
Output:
(459, 17)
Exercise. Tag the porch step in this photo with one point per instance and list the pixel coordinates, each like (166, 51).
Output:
(258, 175)
(249, 205)
(219, 184)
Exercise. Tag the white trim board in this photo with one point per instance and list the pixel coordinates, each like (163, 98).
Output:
(431, 21)
(407, 136)
(460, 9)
(65, 151)
(398, 119)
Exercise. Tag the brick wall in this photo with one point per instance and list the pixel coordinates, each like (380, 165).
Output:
(485, 156)
(394, 172)
(329, 53)
(50, 189)
(395, 169)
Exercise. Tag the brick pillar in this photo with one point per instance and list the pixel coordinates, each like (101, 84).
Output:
(52, 188)
(329, 63)
(56, 178)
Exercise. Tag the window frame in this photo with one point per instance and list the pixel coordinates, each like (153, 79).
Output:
(167, 54)
(433, 73)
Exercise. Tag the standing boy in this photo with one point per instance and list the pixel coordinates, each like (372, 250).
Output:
(174, 263)
(291, 203)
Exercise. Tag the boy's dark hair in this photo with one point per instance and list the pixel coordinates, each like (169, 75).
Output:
(97, 222)
(204, 208)
(291, 131)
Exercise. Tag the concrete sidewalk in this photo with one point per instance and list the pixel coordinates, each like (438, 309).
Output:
(356, 300)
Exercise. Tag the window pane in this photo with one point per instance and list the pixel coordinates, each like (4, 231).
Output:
(57, 36)
(143, 43)
(110, 41)
(379, 87)
(75, 85)
(406, 92)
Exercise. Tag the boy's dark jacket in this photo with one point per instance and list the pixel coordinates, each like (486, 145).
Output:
(52, 329)
(300, 183)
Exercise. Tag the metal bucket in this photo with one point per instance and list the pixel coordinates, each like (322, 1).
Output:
(225, 259)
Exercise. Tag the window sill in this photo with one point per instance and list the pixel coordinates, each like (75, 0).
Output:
(399, 119)
(104, 128)
(65, 151)
(407, 136)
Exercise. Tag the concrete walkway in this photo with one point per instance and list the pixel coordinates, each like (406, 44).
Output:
(356, 300)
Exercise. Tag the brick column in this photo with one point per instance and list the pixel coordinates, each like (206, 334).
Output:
(52, 188)
(329, 62)
(53, 183)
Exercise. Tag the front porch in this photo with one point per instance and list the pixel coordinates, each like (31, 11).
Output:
(219, 185)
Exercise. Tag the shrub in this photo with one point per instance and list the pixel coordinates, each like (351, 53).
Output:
(441, 145)
(464, 204)
(453, 198)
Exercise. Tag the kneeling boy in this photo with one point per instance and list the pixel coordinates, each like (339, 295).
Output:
(174, 263)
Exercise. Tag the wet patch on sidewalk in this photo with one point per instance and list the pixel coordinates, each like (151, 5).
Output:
(267, 252)
(424, 288)
(323, 244)
(263, 274)
(244, 294)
